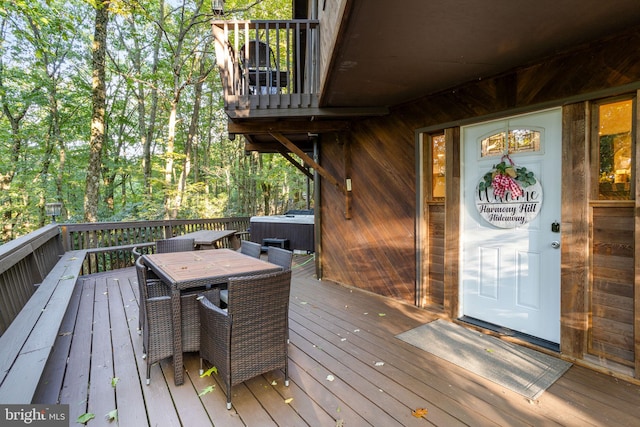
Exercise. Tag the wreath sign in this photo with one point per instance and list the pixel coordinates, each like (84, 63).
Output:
(509, 212)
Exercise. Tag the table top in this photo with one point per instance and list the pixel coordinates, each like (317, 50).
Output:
(199, 268)
(206, 237)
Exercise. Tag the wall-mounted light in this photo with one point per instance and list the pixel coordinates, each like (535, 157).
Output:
(218, 7)
(53, 210)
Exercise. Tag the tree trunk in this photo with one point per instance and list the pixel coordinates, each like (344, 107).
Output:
(98, 115)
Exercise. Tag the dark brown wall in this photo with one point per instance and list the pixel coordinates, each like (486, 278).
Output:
(375, 250)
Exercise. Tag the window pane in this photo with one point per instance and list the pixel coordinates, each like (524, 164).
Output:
(493, 145)
(438, 166)
(520, 141)
(524, 140)
(615, 148)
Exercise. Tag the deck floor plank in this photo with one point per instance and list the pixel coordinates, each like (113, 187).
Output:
(334, 330)
(185, 397)
(76, 378)
(128, 391)
(214, 401)
(418, 365)
(392, 380)
(316, 389)
(159, 406)
(313, 413)
(280, 411)
(100, 383)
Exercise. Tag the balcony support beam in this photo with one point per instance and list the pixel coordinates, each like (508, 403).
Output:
(344, 189)
(294, 162)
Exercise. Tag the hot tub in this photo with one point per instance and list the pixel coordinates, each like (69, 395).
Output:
(297, 228)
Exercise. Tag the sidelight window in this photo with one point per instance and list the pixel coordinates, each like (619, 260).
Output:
(615, 150)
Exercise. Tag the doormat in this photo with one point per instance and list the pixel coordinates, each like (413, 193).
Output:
(520, 369)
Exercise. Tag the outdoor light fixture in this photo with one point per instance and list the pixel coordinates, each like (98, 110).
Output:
(53, 210)
(218, 7)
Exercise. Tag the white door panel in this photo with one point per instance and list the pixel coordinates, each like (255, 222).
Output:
(511, 276)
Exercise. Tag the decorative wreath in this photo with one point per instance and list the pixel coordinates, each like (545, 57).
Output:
(507, 177)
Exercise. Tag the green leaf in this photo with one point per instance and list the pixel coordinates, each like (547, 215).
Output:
(208, 372)
(84, 418)
(112, 416)
(114, 381)
(206, 390)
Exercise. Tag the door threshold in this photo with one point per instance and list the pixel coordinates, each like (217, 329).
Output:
(501, 330)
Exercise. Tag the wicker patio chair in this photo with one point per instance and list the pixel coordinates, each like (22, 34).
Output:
(249, 338)
(279, 256)
(250, 248)
(174, 245)
(146, 278)
(155, 309)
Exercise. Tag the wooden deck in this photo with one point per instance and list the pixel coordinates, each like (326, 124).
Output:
(335, 331)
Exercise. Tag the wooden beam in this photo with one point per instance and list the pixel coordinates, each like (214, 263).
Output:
(244, 110)
(307, 159)
(295, 163)
(273, 146)
(287, 126)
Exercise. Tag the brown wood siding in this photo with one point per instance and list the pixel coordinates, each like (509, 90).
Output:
(375, 250)
(575, 232)
(435, 254)
(611, 333)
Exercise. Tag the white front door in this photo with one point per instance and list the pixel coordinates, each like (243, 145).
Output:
(511, 276)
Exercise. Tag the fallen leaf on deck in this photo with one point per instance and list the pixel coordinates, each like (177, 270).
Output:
(489, 350)
(379, 363)
(71, 276)
(114, 381)
(419, 413)
(208, 372)
(381, 314)
(289, 400)
(339, 423)
(112, 416)
(274, 382)
(82, 419)
(330, 377)
(206, 390)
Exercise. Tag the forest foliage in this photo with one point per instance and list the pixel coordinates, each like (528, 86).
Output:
(164, 151)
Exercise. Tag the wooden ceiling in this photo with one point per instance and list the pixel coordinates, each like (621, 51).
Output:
(394, 52)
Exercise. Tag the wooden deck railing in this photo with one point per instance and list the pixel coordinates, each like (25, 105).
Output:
(26, 261)
(280, 72)
(109, 244)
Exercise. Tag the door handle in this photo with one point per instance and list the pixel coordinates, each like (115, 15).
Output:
(555, 244)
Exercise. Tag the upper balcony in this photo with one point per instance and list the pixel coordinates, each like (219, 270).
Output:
(268, 68)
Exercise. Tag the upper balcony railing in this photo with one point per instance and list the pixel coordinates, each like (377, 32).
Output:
(268, 67)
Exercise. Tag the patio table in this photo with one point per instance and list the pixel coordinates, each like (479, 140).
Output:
(208, 239)
(198, 269)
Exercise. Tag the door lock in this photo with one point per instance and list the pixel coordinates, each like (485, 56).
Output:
(555, 244)
(555, 227)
